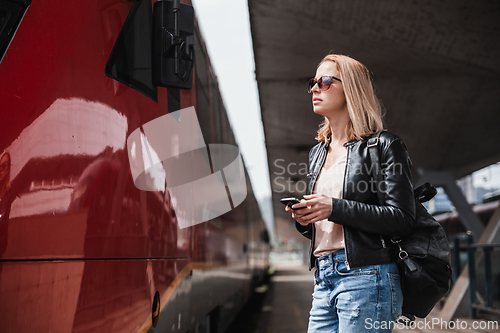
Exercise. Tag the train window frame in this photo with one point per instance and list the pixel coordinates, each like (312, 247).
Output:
(124, 59)
(11, 14)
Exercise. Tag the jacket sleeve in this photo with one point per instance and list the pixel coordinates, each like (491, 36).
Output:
(305, 231)
(397, 215)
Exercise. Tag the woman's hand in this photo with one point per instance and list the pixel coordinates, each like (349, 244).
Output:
(315, 208)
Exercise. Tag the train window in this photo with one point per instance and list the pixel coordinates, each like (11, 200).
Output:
(130, 59)
(11, 14)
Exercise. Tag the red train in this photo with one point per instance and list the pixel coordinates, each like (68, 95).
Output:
(81, 248)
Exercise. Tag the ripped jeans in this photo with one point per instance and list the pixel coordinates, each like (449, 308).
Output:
(364, 299)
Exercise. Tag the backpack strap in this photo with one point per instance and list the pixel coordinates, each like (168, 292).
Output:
(372, 145)
(377, 175)
(375, 167)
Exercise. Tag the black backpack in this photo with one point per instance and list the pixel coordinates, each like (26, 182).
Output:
(423, 257)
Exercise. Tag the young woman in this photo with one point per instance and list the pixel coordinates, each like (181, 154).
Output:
(357, 285)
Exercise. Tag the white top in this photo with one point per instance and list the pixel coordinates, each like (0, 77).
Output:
(329, 235)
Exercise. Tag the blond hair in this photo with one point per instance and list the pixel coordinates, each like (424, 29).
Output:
(365, 111)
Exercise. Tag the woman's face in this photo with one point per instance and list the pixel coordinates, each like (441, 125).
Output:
(332, 101)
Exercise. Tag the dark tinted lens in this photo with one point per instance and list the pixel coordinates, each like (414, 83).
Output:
(310, 85)
(324, 82)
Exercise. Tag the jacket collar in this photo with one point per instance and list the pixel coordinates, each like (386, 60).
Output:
(353, 141)
(329, 139)
(348, 143)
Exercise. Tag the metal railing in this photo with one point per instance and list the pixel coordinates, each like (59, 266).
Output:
(471, 252)
(456, 250)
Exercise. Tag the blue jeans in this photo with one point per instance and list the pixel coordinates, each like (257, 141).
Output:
(365, 299)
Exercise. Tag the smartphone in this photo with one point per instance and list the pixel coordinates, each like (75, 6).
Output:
(290, 202)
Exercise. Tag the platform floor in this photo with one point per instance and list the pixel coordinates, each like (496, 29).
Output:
(286, 304)
(288, 300)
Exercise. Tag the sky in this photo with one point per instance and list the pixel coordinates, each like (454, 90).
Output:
(225, 27)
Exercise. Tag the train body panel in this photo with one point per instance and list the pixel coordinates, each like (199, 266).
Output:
(81, 248)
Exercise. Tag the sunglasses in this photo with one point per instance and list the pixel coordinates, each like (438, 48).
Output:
(323, 82)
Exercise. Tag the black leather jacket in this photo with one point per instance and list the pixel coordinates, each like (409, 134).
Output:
(367, 225)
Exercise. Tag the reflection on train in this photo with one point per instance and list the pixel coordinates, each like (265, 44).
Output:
(81, 248)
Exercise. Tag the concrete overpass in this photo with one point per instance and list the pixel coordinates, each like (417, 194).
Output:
(436, 66)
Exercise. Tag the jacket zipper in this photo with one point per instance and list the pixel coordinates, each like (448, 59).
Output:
(311, 185)
(345, 247)
(383, 241)
(343, 229)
